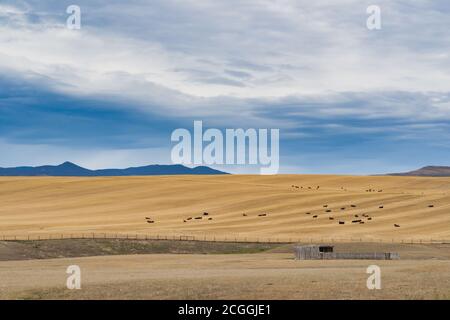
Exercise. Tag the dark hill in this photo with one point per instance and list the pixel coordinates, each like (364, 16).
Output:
(430, 171)
(68, 169)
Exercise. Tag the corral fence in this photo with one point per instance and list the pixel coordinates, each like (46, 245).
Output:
(313, 252)
(214, 238)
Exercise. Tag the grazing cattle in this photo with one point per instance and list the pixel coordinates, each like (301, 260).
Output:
(150, 221)
(262, 215)
(184, 220)
(369, 218)
(308, 213)
(361, 222)
(315, 216)
(190, 218)
(209, 218)
(325, 206)
(318, 187)
(356, 221)
(343, 208)
(397, 225)
(198, 218)
(381, 207)
(244, 215)
(341, 222)
(328, 210)
(331, 218)
(353, 206)
(431, 206)
(356, 216)
(147, 218)
(205, 213)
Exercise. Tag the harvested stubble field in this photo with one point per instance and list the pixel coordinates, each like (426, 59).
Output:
(234, 204)
(280, 207)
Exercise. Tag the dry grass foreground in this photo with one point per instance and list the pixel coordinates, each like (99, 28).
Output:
(50, 205)
(242, 276)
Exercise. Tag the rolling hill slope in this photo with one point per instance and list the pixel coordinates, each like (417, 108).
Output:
(429, 171)
(62, 205)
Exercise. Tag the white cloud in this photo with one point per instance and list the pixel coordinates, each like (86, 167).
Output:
(262, 63)
(284, 48)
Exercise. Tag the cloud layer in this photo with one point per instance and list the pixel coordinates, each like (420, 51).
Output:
(138, 69)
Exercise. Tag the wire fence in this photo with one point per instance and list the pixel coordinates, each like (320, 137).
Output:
(216, 238)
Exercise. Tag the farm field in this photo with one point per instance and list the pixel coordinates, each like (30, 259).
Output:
(284, 207)
(377, 214)
(222, 276)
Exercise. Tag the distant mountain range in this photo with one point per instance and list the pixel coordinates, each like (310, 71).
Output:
(69, 169)
(430, 171)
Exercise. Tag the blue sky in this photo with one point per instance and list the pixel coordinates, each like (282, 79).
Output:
(346, 99)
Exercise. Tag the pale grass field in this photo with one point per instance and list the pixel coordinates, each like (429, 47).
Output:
(242, 276)
(49, 205)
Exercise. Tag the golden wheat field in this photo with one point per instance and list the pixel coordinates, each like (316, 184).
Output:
(282, 206)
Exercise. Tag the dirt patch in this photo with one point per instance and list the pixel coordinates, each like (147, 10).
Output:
(48, 249)
(68, 248)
